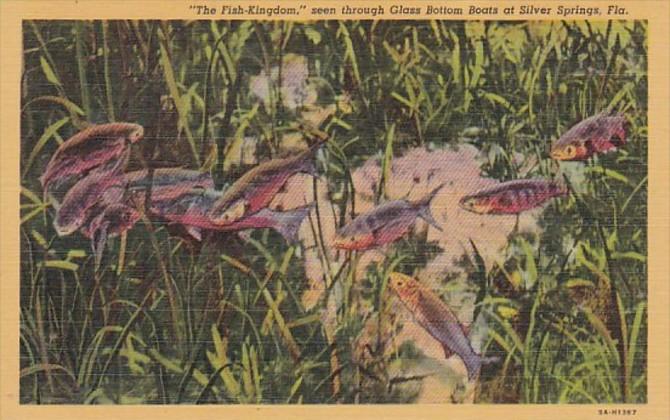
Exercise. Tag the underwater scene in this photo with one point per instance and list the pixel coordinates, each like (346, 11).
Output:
(333, 212)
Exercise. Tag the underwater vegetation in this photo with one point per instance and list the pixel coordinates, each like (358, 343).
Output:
(333, 212)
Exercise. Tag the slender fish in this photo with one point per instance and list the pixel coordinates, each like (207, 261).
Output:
(93, 147)
(512, 197)
(191, 210)
(167, 183)
(597, 134)
(255, 189)
(92, 193)
(385, 223)
(438, 320)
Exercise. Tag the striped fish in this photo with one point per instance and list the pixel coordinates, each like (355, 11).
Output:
(254, 190)
(433, 315)
(191, 210)
(385, 224)
(512, 197)
(88, 196)
(597, 134)
(93, 147)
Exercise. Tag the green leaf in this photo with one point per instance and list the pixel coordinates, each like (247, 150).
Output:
(61, 264)
(75, 253)
(48, 133)
(577, 282)
(48, 72)
(39, 239)
(294, 388)
(631, 255)
(68, 104)
(634, 333)
(313, 35)
(610, 173)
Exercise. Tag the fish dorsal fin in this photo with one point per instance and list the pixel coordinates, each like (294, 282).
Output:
(429, 197)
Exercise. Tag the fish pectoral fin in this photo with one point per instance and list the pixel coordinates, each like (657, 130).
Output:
(194, 232)
(447, 351)
(389, 232)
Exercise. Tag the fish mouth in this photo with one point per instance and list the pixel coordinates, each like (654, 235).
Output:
(136, 135)
(344, 243)
(558, 155)
(468, 204)
(341, 243)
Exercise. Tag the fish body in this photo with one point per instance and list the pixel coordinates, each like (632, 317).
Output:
(191, 209)
(287, 223)
(384, 224)
(512, 197)
(167, 183)
(255, 189)
(93, 147)
(597, 134)
(92, 193)
(433, 315)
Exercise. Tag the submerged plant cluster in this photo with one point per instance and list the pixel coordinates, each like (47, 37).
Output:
(416, 162)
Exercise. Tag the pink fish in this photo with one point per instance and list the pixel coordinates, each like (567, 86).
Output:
(98, 189)
(93, 147)
(512, 197)
(597, 134)
(255, 189)
(191, 210)
(108, 223)
(438, 320)
(168, 183)
(385, 223)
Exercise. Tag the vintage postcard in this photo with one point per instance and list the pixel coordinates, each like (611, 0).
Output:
(335, 209)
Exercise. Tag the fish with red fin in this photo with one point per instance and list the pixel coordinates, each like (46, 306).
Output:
(96, 190)
(167, 183)
(600, 133)
(93, 147)
(512, 197)
(254, 190)
(385, 223)
(433, 315)
(191, 210)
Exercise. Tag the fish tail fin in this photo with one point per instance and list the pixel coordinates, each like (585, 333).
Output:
(289, 222)
(474, 364)
(426, 215)
(98, 242)
(429, 197)
(619, 128)
(309, 167)
(424, 208)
